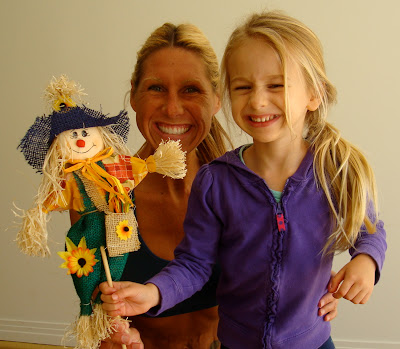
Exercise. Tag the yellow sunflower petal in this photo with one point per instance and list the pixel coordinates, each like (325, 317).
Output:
(64, 254)
(70, 245)
(82, 244)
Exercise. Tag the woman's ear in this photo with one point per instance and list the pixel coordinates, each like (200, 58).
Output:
(217, 104)
(132, 97)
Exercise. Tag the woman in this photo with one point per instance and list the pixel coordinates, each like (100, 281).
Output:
(175, 94)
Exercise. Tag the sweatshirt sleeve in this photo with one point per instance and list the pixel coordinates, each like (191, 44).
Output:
(196, 255)
(373, 245)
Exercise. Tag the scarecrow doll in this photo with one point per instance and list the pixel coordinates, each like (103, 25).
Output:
(82, 156)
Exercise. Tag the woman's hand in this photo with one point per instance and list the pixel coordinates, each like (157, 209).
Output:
(355, 281)
(123, 335)
(328, 304)
(128, 298)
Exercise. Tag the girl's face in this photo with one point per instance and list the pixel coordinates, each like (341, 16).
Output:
(83, 143)
(174, 99)
(257, 91)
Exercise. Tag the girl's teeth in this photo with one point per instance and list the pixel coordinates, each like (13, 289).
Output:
(173, 130)
(263, 119)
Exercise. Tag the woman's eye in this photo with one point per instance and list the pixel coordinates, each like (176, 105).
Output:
(155, 88)
(84, 133)
(192, 89)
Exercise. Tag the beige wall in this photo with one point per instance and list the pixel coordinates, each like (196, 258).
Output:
(95, 42)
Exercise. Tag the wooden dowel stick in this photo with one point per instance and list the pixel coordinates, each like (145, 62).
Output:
(108, 273)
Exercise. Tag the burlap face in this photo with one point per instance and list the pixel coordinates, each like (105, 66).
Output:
(121, 233)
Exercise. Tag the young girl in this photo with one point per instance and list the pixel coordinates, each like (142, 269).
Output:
(274, 212)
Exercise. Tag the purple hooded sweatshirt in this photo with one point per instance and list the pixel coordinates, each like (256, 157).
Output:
(273, 273)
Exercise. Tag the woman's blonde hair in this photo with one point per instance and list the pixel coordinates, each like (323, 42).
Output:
(191, 38)
(340, 168)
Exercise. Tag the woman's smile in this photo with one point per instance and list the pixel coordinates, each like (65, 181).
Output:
(173, 129)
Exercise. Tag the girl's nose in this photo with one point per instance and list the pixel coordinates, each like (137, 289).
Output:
(258, 99)
(80, 143)
(173, 105)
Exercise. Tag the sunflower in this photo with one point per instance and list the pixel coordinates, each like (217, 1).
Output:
(78, 260)
(63, 102)
(124, 231)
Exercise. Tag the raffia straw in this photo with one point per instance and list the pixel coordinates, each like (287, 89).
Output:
(108, 274)
(170, 159)
(32, 237)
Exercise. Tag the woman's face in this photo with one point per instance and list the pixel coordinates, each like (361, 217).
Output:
(174, 99)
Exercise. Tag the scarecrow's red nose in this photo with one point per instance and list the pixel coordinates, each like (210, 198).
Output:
(80, 143)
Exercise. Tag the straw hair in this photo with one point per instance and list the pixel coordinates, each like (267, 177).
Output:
(191, 38)
(340, 168)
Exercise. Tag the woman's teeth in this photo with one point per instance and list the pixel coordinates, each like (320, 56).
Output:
(263, 118)
(173, 130)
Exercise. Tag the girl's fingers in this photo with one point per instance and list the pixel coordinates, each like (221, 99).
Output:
(108, 307)
(108, 298)
(105, 289)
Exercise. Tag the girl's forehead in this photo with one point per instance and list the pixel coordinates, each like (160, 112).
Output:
(259, 53)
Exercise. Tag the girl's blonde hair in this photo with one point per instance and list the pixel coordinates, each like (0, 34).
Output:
(191, 38)
(340, 168)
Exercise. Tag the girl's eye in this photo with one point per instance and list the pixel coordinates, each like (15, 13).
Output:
(242, 87)
(275, 86)
(84, 133)
(74, 134)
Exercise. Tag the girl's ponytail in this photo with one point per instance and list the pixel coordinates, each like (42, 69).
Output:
(348, 181)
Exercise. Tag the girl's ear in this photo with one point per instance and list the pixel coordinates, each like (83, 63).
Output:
(314, 103)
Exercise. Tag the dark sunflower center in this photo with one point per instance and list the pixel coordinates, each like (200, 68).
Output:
(82, 262)
(126, 229)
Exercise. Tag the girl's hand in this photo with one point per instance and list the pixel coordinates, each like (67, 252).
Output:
(355, 281)
(123, 335)
(128, 298)
(328, 304)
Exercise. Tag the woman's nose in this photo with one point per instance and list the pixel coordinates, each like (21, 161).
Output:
(80, 143)
(173, 105)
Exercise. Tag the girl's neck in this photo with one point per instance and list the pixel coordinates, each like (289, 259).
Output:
(275, 162)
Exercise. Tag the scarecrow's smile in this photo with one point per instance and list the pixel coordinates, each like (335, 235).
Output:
(84, 152)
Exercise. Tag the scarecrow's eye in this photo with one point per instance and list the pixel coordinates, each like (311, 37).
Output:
(62, 105)
(74, 134)
(84, 133)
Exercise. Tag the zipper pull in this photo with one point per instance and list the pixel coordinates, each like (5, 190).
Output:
(280, 219)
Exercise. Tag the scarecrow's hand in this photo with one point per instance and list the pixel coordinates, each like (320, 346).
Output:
(128, 298)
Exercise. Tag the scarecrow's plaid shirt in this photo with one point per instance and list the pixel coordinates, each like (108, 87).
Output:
(121, 167)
